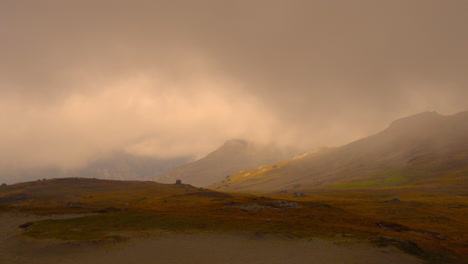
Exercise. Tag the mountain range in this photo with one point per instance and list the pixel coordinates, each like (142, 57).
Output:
(424, 150)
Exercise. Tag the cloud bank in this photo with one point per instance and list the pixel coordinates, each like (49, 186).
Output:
(168, 78)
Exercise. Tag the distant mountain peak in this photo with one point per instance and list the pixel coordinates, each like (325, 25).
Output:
(464, 113)
(235, 143)
(417, 119)
(233, 156)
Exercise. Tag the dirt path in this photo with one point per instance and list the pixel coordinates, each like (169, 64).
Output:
(203, 248)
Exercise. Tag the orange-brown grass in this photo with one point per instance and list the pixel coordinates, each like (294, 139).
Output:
(351, 214)
(426, 214)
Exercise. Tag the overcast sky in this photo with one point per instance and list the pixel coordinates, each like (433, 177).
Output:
(170, 78)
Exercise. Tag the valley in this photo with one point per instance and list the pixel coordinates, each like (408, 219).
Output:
(234, 132)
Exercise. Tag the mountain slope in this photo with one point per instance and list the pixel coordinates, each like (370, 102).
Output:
(423, 150)
(232, 157)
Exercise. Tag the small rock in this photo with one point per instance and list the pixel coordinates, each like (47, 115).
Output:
(394, 201)
(393, 226)
(405, 245)
(25, 225)
(73, 204)
(298, 194)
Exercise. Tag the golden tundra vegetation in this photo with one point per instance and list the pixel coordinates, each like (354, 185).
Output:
(403, 187)
(430, 225)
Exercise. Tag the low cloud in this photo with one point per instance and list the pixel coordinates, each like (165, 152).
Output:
(167, 78)
(141, 114)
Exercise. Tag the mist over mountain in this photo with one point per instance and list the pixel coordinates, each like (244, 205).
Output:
(426, 150)
(233, 156)
(118, 165)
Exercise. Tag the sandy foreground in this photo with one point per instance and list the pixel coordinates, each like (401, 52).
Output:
(173, 248)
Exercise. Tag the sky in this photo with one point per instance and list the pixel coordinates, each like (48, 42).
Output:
(79, 79)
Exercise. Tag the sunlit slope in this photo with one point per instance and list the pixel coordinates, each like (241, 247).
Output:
(232, 157)
(426, 150)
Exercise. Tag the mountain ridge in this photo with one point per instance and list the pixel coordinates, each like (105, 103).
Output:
(233, 156)
(424, 144)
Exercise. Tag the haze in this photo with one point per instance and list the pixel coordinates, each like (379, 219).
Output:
(79, 79)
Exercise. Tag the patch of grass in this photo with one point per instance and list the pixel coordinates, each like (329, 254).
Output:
(100, 227)
(390, 181)
(356, 185)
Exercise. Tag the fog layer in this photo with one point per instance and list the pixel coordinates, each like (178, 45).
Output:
(174, 78)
